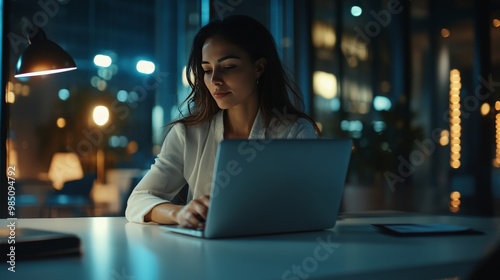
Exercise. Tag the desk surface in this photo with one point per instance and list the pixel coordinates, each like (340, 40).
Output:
(113, 248)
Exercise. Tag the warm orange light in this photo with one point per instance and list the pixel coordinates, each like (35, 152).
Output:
(455, 113)
(323, 35)
(100, 114)
(454, 118)
(61, 122)
(496, 161)
(445, 33)
(455, 195)
(64, 167)
(10, 97)
(485, 109)
(456, 149)
(455, 142)
(443, 141)
(454, 98)
(455, 203)
(456, 127)
(496, 22)
(455, 156)
(444, 138)
(25, 90)
(132, 147)
(454, 77)
(455, 164)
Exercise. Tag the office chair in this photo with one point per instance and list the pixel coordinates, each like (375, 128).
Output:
(75, 195)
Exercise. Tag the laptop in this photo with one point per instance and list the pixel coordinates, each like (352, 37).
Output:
(274, 186)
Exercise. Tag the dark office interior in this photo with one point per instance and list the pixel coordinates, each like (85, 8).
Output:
(415, 84)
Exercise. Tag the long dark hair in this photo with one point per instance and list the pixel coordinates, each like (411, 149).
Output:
(278, 95)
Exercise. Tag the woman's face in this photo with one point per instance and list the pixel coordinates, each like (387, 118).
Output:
(229, 73)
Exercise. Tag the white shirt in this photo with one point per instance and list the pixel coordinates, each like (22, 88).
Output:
(188, 154)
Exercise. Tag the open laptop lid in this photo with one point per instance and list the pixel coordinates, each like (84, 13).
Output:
(276, 186)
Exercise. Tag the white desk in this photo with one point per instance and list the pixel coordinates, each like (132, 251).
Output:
(115, 249)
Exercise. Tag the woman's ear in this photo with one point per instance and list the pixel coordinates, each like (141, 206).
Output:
(260, 66)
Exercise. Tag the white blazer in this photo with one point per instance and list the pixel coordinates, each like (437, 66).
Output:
(188, 154)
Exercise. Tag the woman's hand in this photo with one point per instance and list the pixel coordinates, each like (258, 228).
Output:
(194, 214)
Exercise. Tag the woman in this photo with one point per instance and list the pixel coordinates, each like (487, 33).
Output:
(239, 90)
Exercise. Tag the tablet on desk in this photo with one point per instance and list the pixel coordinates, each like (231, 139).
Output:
(26, 243)
(424, 229)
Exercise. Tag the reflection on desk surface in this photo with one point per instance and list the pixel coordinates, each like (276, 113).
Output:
(114, 248)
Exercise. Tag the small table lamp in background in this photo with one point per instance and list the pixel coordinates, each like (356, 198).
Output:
(64, 167)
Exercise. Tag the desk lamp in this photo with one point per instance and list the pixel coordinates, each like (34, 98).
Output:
(64, 167)
(43, 57)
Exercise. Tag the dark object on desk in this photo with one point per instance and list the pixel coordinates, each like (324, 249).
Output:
(433, 229)
(488, 267)
(75, 195)
(34, 243)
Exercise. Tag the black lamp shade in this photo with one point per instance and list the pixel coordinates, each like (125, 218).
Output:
(43, 57)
